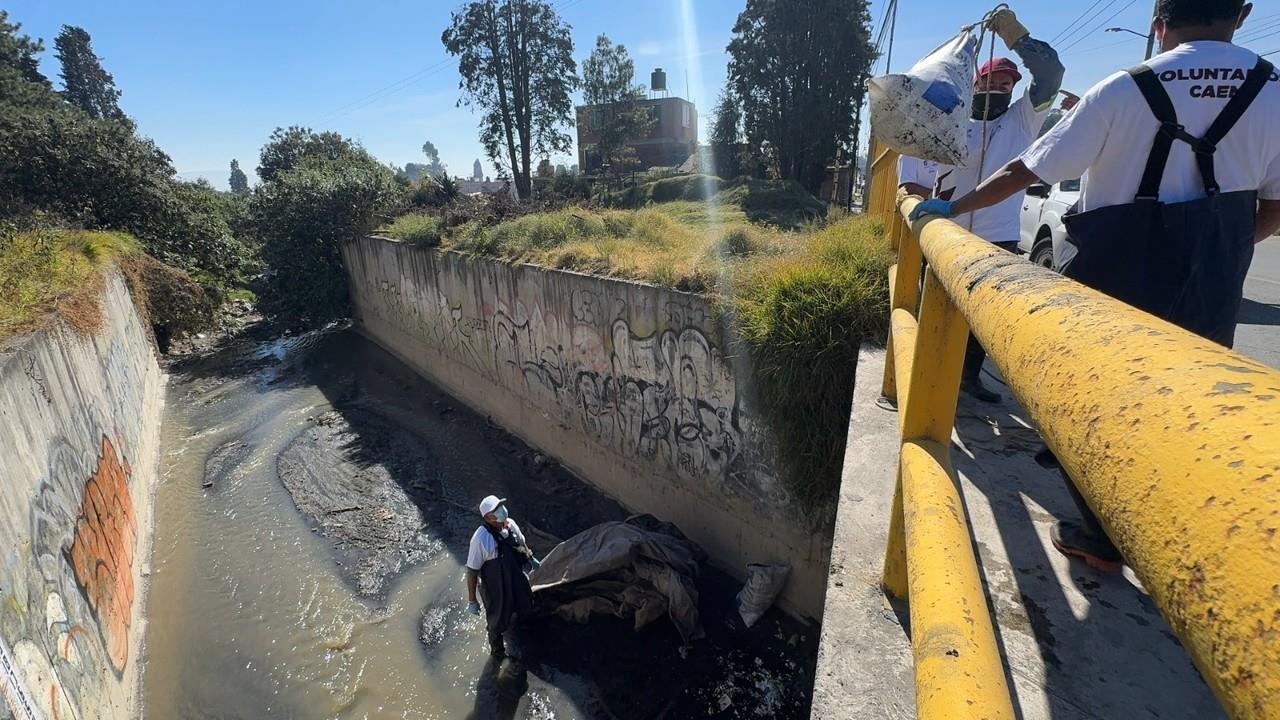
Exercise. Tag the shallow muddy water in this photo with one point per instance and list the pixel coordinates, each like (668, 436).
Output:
(311, 524)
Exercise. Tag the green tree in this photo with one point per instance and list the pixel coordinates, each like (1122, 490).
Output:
(21, 83)
(86, 84)
(803, 107)
(608, 84)
(286, 148)
(434, 168)
(516, 62)
(726, 135)
(477, 170)
(320, 191)
(239, 181)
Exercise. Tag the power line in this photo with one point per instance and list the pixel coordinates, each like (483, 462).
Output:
(1099, 47)
(1072, 24)
(1101, 25)
(1253, 32)
(1256, 38)
(1273, 52)
(1086, 22)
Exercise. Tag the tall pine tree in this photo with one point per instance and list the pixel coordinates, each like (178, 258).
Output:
(797, 68)
(85, 83)
(239, 181)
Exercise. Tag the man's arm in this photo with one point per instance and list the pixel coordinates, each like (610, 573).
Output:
(473, 578)
(1267, 221)
(1037, 57)
(1013, 178)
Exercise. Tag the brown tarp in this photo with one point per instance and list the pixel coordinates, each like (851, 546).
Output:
(639, 569)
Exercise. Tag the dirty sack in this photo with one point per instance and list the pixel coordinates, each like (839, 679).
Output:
(764, 583)
(641, 569)
(924, 112)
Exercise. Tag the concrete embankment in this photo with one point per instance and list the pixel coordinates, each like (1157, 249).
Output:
(79, 422)
(631, 386)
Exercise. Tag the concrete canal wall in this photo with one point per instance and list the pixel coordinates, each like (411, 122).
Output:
(631, 386)
(79, 426)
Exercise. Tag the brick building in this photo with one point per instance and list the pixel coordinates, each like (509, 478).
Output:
(673, 136)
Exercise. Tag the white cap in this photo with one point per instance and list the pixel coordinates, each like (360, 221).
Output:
(489, 504)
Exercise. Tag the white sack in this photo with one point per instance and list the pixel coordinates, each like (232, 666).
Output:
(924, 112)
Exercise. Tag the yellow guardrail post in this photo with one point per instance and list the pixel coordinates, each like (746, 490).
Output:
(929, 557)
(1173, 440)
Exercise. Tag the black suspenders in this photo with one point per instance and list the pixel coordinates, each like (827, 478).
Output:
(1170, 129)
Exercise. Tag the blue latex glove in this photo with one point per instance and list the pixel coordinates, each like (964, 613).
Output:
(535, 562)
(935, 206)
(473, 607)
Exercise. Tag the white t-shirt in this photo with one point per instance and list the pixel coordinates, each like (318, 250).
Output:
(915, 170)
(1108, 136)
(484, 547)
(1007, 137)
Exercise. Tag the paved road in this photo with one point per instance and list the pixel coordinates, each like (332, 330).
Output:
(1258, 334)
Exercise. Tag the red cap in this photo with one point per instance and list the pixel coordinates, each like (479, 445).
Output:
(1000, 64)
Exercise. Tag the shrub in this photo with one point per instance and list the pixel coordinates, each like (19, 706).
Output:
(174, 304)
(302, 218)
(738, 241)
(426, 230)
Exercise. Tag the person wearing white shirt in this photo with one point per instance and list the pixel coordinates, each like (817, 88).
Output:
(495, 562)
(999, 130)
(1180, 160)
(916, 176)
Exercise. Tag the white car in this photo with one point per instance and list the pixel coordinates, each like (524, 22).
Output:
(1040, 223)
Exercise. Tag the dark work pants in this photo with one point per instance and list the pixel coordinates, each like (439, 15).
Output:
(974, 354)
(496, 643)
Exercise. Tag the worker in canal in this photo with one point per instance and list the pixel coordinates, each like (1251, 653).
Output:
(1180, 160)
(496, 562)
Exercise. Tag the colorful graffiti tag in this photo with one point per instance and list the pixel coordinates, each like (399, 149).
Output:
(101, 553)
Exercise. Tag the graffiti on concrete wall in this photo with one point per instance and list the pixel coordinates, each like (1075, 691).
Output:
(72, 586)
(634, 367)
(101, 552)
(665, 396)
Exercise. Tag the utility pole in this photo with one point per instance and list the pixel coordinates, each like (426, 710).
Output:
(893, 25)
(1151, 32)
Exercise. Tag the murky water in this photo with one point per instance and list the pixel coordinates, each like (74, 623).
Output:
(345, 599)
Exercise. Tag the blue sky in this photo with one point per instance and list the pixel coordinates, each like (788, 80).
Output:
(209, 81)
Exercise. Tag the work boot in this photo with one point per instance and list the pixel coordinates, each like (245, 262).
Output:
(1072, 540)
(974, 388)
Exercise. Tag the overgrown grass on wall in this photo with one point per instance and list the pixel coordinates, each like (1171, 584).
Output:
(47, 272)
(44, 271)
(802, 318)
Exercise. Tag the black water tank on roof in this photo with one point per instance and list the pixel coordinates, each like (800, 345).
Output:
(658, 80)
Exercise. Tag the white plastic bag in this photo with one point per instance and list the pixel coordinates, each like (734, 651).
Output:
(764, 582)
(924, 112)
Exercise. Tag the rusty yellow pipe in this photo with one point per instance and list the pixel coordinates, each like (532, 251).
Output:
(903, 327)
(1173, 440)
(958, 671)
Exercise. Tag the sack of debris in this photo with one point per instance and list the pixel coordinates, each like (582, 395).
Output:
(764, 583)
(641, 569)
(924, 112)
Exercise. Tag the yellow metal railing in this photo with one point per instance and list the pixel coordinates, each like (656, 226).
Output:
(1173, 440)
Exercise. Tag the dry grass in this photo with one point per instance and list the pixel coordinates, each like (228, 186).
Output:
(43, 272)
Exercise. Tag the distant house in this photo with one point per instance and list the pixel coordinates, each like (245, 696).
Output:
(673, 136)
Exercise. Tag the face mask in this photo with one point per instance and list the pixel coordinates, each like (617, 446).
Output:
(501, 513)
(990, 105)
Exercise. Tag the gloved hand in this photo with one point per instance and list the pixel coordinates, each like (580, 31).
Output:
(473, 607)
(1005, 24)
(935, 206)
(535, 562)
